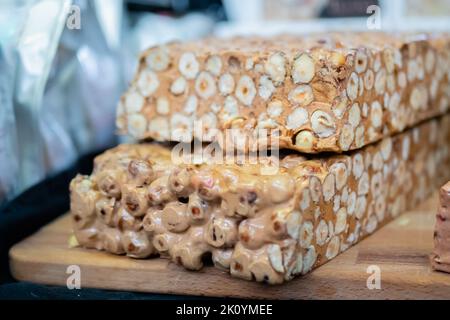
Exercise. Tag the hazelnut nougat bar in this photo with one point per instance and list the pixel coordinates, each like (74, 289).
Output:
(263, 227)
(440, 259)
(323, 92)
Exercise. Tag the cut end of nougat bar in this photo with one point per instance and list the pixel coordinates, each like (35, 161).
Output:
(440, 259)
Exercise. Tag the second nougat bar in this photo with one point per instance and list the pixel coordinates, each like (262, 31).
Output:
(263, 227)
(440, 258)
(323, 92)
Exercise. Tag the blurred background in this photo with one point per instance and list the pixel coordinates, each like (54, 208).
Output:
(65, 63)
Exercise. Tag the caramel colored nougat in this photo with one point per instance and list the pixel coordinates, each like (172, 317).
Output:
(322, 92)
(264, 227)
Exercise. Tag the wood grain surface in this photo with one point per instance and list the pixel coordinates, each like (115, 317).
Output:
(400, 250)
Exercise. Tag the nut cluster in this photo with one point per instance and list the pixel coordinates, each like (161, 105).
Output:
(264, 228)
(334, 92)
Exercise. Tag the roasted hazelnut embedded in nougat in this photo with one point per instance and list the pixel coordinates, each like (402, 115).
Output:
(323, 92)
(258, 227)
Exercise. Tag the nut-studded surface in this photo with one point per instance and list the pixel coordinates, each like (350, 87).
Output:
(324, 92)
(440, 259)
(265, 228)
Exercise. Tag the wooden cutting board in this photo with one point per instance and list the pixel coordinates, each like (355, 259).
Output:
(400, 250)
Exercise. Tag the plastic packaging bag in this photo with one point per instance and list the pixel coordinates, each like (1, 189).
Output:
(85, 85)
(67, 82)
(35, 51)
(9, 168)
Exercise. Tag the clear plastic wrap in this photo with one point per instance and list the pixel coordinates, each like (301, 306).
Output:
(35, 51)
(63, 84)
(9, 168)
(85, 85)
